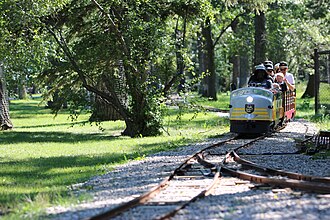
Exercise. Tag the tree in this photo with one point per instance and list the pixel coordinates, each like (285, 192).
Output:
(295, 30)
(241, 41)
(310, 91)
(98, 45)
(209, 86)
(128, 37)
(5, 122)
(260, 38)
(226, 16)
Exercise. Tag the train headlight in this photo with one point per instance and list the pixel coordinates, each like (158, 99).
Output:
(249, 99)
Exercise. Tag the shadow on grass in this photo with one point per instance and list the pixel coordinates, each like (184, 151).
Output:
(34, 175)
(30, 109)
(68, 124)
(13, 137)
(22, 179)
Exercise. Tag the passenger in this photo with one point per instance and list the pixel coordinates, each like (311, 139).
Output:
(270, 71)
(281, 85)
(288, 77)
(277, 68)
(260, 78)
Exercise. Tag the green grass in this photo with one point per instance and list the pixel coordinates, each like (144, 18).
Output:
(306, 108)
(43, 155)
(222, 102)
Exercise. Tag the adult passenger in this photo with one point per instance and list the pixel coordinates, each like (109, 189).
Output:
(277, 68)
(260, 78)
(270, 71)
(288, 77)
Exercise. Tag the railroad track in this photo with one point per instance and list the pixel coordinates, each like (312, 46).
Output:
(247, 170)
(190, 180)
(199, 174)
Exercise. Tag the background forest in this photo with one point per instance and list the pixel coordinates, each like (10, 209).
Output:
(123, 59)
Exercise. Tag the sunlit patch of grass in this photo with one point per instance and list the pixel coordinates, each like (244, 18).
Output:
(306, 109)
(222, 103)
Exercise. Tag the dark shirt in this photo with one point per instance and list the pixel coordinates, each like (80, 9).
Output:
(270, 78)
(257, 82)
(283, 86)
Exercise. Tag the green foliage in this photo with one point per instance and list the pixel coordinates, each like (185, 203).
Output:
(305, 105)
(294, 32)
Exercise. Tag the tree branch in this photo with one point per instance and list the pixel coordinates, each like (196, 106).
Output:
(178, 53)
(123, 44)
(110, 100)
(117, 31)
(225, 28)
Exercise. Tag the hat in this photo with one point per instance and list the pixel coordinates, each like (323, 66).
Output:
(267, 62)
(269, 67)
(260, 67)
(283, 64)
(279, 74)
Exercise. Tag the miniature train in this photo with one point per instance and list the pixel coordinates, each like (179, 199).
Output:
(255, 110)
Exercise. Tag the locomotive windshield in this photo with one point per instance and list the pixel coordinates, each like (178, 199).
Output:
(256, 91)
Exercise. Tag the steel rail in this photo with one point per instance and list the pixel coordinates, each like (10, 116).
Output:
(272, 171)
(306, 140)
(199, 156)
(321, 186)
(154, 191)
(295, 184)
(132, 203)
(270, 154)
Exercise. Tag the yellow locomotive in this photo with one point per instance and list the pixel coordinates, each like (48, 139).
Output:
(257, 110)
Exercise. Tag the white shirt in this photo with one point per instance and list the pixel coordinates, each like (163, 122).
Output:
(290, 78)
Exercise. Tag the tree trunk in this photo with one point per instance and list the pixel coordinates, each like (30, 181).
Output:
(260, 38)
(180, 36)
(201, 64)
(180, 70)
(236, 71)
(210, 90)
(309, 92)
(144, 120)
(22, 94)
(244, 71)
(103, 111)
(5, 121)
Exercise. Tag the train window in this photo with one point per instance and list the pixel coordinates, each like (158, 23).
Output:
(257, 91)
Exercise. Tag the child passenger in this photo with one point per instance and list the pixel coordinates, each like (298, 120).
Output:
(281, 84)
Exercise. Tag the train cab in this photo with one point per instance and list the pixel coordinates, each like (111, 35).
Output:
(255, 110)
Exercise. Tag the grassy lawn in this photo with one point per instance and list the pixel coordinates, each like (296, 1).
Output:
(43, 155)
(222, 103)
